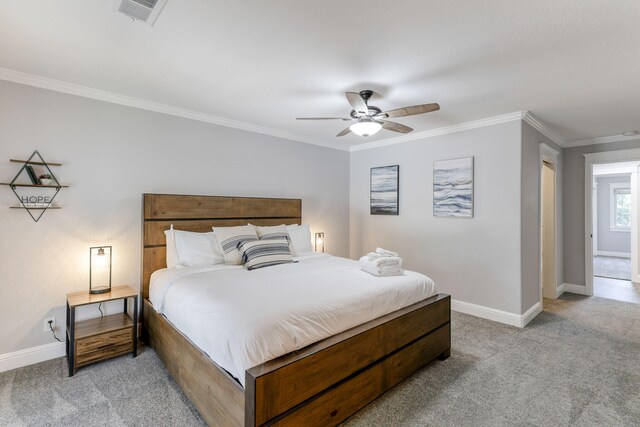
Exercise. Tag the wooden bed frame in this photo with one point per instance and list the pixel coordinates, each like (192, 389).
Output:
(322, 384)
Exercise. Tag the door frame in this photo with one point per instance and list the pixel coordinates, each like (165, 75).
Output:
(594, 218)
(590, 159)
(550, 156)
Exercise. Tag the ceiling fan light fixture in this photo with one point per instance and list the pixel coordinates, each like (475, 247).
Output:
(370, 119)
(365, 127)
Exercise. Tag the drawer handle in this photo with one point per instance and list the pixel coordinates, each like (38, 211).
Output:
(104, 346)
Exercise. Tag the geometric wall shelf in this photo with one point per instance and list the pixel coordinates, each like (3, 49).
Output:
(35, 192)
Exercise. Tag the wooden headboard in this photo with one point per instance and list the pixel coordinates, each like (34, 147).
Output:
(200, 213)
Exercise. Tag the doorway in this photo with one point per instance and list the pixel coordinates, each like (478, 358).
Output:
(548, 230)
(550, 240)
(614, 218)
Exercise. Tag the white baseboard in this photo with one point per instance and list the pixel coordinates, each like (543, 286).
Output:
(560, 290)
(614, 254)
(531, 314)
(29, 356)
(574, 289)
(501, 316)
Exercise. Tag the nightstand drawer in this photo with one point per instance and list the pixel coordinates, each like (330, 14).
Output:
(104, 341)
(102, 354)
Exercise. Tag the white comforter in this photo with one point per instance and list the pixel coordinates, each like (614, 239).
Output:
(243, 318)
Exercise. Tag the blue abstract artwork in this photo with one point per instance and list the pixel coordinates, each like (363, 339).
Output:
(453, 188)
(384, 190)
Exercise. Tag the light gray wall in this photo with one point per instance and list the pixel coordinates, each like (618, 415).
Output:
(610, 241)
(113, 154)
(530, 214)
(573, 215)
(475, 260)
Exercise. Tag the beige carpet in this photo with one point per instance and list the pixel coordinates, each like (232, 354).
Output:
(578, 364)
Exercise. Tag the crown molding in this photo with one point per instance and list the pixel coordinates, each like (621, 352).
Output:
(549, 133)
(128, 101)
(601, 140)
(538, 125)
(490, 121)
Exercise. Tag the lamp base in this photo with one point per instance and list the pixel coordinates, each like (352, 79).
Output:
(100, 290)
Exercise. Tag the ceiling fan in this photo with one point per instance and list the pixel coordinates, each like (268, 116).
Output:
(370, 119)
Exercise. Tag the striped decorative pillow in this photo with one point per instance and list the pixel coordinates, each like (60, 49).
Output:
(275, 232)
(230, 238)
(264, 253)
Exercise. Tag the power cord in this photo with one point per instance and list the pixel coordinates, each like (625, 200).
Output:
(54, 332)
(100, 308)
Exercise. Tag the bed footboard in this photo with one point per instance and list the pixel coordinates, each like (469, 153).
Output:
(320, 385)
(325, 383)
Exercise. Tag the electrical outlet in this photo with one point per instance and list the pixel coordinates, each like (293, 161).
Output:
(46, 324)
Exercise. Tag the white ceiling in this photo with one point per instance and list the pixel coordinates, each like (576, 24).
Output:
(573, 64)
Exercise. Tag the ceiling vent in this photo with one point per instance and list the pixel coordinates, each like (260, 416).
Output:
(142, 10)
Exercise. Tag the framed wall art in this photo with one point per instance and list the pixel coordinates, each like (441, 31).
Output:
(384, 190)
(453, 188)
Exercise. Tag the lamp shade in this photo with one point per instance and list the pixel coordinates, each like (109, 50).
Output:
(100, 269)
(365, 127)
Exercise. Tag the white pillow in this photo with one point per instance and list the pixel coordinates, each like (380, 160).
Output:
(230, 237)
(300, 238)
(172, 255)
(193, 249)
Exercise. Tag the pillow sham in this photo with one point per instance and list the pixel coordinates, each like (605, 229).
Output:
(230, 237)
(264, 253)
(300, 238)
(194, 249)
(172, 255)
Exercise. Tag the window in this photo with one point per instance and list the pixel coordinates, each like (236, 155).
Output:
(620, 207)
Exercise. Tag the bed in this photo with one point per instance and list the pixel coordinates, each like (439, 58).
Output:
(320, 384)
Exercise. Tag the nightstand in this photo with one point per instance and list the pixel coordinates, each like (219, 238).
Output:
(93, 340)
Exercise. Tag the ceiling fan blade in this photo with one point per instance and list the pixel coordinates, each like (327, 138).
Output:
(356, 102)
(325, 118)
(396, 127)
(411, 111)
(344, 132)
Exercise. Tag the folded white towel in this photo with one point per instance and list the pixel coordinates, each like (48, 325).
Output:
(383, 267)
(385, 252)
(388, 261)
(374, 255)
(382, 262)
(382, 272)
